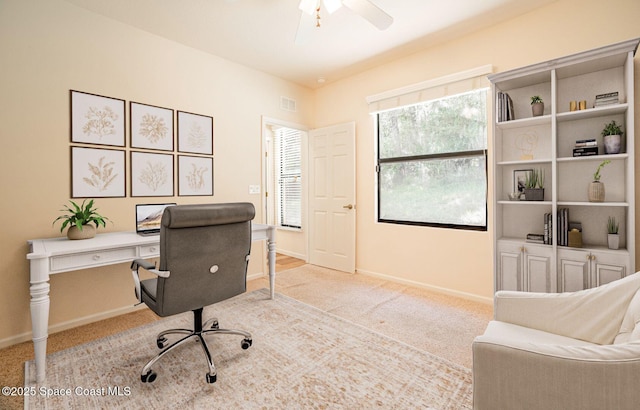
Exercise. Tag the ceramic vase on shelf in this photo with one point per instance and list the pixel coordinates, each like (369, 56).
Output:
(612, 144)
(596, 191)
(87, 232)
(537, 109)
(613, 240)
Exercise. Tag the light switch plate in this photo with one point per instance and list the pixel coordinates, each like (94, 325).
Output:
(254, 189)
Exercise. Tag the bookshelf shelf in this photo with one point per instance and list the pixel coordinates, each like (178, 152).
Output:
(603, 80)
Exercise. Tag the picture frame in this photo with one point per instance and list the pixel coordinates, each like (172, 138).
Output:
(151, 174)
(195, 133)
(151, 127)
(519, 176)
(96, 119)
(97, 172)
(195, 176)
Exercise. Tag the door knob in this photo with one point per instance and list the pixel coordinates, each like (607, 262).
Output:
(348, 206)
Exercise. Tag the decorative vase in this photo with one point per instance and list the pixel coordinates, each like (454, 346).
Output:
(612, 144)
(613, 239)
(537, 109)
(87, 232)
(534, 194)
(596, 191)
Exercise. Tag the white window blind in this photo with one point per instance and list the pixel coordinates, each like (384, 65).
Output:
(287, 172)
(434, 89)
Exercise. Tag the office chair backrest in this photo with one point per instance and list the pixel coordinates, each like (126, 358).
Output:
(206, 248)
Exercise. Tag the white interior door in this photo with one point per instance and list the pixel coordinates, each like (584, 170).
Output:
(332, 194)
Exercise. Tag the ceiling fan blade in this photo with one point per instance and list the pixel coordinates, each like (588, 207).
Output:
(305, 28)
(370, 12)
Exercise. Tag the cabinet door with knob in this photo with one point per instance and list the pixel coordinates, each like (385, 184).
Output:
(580, 269)
(524, 267)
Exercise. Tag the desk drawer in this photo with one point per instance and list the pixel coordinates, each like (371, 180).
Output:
(90, 259)
(149, 251)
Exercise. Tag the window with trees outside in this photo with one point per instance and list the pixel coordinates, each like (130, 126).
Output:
(432, 162)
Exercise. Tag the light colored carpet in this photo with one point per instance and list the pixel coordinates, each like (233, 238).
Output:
(301, 357)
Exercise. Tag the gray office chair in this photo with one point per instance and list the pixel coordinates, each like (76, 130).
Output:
(204, 252)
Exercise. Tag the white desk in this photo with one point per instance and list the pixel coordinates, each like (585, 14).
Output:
(57, 255)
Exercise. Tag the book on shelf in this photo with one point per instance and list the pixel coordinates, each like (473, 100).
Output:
(606, 99)
(548, 229)
(505, 107)
(586, 143)
(563, 226)
(583, 152)
(535, 238)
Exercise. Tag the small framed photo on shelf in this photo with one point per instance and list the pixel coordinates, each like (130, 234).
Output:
(519, 178)
(96, 119)
(151, 174)
(151, 127)
(195, 176)
(195, 133)
(97, 173)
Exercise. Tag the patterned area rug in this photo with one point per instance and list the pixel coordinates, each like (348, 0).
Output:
(301, 357)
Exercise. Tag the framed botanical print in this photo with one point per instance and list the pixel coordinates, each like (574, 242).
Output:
(195, 133)
(195, 175)
(151, 174)
(96, 119)
(97, 172)
(151, 127)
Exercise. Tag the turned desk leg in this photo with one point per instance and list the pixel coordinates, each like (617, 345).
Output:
(39, 323)
(271, 257)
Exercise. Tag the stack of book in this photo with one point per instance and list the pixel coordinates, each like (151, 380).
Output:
(585, 147)
(606, 99)
(505, 107)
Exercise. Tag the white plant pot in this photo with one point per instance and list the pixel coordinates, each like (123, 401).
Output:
(612, 144)
(613, 239)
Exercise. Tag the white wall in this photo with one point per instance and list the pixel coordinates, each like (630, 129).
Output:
(49, 47)
(456, 261)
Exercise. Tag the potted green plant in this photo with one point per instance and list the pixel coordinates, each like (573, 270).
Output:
(537, 106)
(596, 188)
(79, 218)
(612, 135)
(534, 185)
(613, 239)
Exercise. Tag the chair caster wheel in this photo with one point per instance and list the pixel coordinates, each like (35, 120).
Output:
(215, 325)
(149, 377)
(211, 378)
(246, 343)
(160, 342)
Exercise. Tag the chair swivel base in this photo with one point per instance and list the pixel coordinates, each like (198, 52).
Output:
(148, 375)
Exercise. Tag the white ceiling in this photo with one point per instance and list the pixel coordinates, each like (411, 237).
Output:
(261, 33)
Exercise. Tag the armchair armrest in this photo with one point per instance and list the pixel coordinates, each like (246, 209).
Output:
(136, 264)
(593, 315)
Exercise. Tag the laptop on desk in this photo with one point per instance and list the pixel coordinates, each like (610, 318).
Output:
(148, 217)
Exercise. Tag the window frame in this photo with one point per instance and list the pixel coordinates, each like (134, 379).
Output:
(429, 157)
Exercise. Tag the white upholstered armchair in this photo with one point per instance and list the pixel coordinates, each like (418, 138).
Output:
(577, 350)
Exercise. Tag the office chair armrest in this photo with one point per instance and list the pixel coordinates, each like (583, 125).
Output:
(148, 266)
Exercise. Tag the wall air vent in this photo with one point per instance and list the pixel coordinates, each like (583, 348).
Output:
(288, 104)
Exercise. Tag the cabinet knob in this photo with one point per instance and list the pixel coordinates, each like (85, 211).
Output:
(96, 257)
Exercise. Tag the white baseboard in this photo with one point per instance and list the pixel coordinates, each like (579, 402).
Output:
(256, 275)
(27, 336)
(293, 254)
(438, 289)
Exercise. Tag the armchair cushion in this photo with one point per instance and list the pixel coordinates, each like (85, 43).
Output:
(630, 328)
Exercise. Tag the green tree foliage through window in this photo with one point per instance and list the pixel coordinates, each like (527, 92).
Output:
(432, 162)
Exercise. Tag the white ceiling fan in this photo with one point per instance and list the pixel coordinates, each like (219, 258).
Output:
(310, 16)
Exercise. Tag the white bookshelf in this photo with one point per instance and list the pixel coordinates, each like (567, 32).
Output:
(546, 142)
